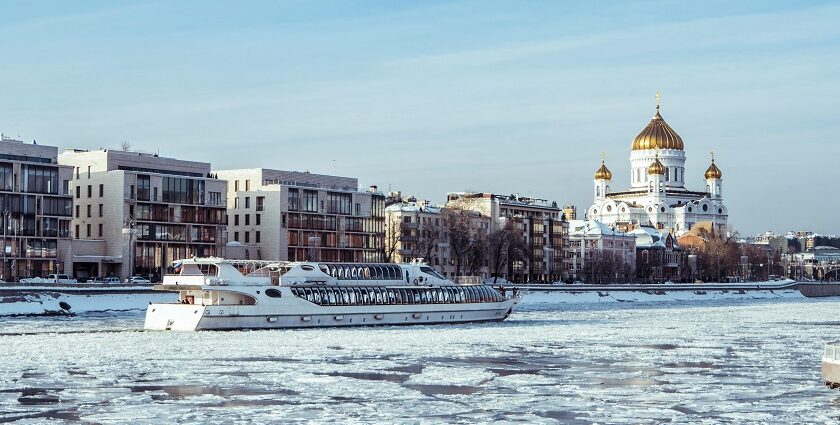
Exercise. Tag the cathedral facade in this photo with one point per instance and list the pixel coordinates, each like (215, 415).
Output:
(657, 196)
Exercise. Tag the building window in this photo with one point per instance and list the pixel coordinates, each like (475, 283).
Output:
(247, 200)
(88, 230)
(88, 210)
(236, 219)
(257, 236)
(294, 200)
(236, 236)
(100, 230)
(257, 219)
(247, 219)
(310, 200)
(77, 211)
(90, 191)
(101, 190)
(77, 231)
(100, 210)
(236, 186)
(247, 185)
(260, 203)
(339, 203)
(78, 192)
(247, 237)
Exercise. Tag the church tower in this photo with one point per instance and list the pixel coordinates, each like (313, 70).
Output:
(656, 180)
(658, 139)
(713, 177)
(602, 180)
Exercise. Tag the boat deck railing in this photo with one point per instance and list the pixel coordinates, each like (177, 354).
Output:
(832, 351)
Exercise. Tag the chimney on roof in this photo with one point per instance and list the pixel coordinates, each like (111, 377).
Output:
(373, 188)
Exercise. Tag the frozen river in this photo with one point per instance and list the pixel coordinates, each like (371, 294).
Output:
(714, 362)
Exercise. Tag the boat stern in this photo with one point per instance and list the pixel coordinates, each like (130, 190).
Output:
(173, 317)
(830, 365)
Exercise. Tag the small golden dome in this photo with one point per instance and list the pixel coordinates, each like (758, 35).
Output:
(713, 172)
(656, 167)
(603, 173)
(658, 135)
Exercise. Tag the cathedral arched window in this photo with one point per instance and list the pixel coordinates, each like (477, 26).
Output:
(598, 191)
(667, 174)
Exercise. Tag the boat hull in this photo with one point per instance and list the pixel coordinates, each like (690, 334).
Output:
(185, 317)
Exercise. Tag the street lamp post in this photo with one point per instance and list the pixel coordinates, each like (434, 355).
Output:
(130, 230)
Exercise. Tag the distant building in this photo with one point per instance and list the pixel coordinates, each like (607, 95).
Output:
(417, 230)
(540, 224)
(300, 216)
(570, 212)
(658, 257)
(136, 213)
(657, 195)
(36, 208)
(599, 253)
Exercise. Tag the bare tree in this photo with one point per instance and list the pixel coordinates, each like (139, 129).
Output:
(392, 237)
(505, 245)
(125, 146)
(428, 238)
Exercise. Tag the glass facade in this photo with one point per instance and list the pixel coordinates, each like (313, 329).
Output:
(35, 214)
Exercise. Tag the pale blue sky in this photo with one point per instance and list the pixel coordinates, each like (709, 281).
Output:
(430, 97)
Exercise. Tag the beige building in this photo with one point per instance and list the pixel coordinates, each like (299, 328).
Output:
(540, 224)
(298, 216)
(416, 230)
(36, 209)
(146, 211)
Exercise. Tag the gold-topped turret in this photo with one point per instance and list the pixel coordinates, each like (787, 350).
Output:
(658, 134)
(713, 172)
(603, 173)
(656, 167)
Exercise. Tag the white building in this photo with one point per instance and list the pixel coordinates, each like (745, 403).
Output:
(657, 195)
(299, 216)
(136, 213)
(592, 241)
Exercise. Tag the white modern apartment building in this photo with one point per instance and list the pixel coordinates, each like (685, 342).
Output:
(298, 216)
(135, 213)
(35, 210)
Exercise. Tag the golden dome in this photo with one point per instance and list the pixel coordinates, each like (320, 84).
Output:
(603, 173)
(656, 167)
(713, 172)
(657, 135)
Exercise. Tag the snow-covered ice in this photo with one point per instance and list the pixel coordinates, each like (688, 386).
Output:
(732, 361)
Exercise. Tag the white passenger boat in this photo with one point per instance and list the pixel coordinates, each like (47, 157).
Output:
(229, 294)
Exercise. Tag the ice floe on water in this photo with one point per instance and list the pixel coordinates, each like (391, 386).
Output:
(717, 361)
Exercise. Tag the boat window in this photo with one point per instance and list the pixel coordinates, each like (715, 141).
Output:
(357, 296)
(273, 293)
(323, 292)
(316, 297)
(398, 296)
(430, 271)
(380, 296)
(414, 296)
(331, 296)
(324, 269)
(391, 297)
(447, 296)
(345, 299)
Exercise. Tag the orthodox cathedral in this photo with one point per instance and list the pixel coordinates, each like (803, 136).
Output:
(657, 196)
